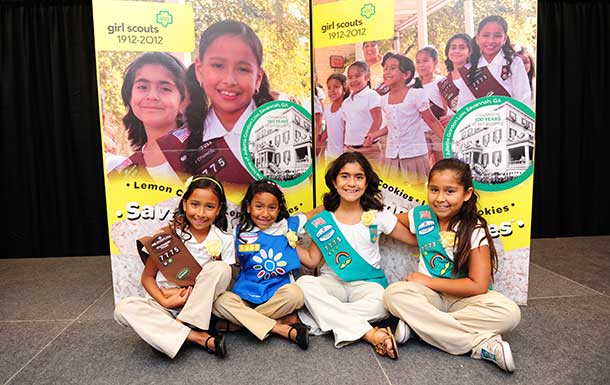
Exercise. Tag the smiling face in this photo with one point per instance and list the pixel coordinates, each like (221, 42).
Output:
(230, 75)
(392, 75)
(201, 209)
(351, 182)
(459, 52)
(335, 90)
(264, 209)
(424, 64)
(155, 99)
(370, 49)
(446, 195)
(357, 79)
(490, 39)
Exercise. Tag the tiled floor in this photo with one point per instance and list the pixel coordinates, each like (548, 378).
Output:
(56, 327)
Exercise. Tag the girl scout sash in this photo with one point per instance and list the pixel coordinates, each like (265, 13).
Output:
(339, 254)
(214, 157)
(482, 83)
(449, 91)
(171, 257)
(431, 248)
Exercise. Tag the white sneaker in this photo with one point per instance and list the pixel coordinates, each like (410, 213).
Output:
(498, 351)
(402, 332)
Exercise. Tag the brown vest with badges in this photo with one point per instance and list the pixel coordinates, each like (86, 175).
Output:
(171, 257)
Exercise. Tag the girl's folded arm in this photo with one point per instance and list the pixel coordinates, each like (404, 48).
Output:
(477, 282)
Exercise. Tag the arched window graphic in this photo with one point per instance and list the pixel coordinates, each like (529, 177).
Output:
(287, 157)
(277, 140)
(286, 137)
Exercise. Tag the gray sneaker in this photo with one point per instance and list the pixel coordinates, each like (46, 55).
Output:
(498, 351)
(402, 332)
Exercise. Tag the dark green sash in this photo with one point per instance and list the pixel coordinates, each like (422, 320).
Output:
(339, 254)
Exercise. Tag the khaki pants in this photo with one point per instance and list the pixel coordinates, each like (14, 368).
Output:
(157, 325)
(345, 308)
(259, 319)
(455, 325)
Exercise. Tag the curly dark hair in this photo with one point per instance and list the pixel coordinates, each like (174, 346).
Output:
(370, 200)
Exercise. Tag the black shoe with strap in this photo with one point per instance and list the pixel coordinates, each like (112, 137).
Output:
(220, 349)
(302, 336)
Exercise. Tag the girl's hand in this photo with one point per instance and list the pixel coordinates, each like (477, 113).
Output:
(168, 291)
(178, 298)
(445, 119)
(368, 140)
(416, 276)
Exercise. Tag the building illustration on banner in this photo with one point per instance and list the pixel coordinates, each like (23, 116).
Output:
(281, 148)
(498, 144)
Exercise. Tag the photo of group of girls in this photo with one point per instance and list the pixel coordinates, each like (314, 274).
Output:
(395, 109)
(188, 120)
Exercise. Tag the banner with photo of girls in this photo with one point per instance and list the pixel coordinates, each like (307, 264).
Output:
(469, 70)
(188, 87)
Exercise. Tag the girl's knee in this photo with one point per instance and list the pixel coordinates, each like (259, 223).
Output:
(396, 291)
(294, 295)
(306, 280)
(123, 307)
(215, 268)
(226, 300)
(513, 316)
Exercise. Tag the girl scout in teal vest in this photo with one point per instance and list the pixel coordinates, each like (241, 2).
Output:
(449, 302)
(348, 294)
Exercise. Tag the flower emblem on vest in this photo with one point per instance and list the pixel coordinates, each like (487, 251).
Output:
(269, 264)
(292, 238)
(448, 239)
(368, 217)
(213, 246)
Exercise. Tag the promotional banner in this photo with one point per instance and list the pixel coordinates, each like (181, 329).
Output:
(469, 70)
(189, 88)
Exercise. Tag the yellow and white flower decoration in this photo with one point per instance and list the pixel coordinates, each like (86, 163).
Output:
(448, 238)
(213, 246)
(292, 238)
(368, 217)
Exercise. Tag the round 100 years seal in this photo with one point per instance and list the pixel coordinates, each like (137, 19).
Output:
(495, 136)
(276, 143)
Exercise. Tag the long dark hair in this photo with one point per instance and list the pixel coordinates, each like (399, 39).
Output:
(405, 65)
(179, 219)
(370, 200)
(260, 186)
(363, 66)
(463, 36)
(135, 128)
(507, 48)
(198, 108)
(467, 219)
(342, 79)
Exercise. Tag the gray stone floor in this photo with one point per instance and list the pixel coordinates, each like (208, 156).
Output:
(56, 327)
